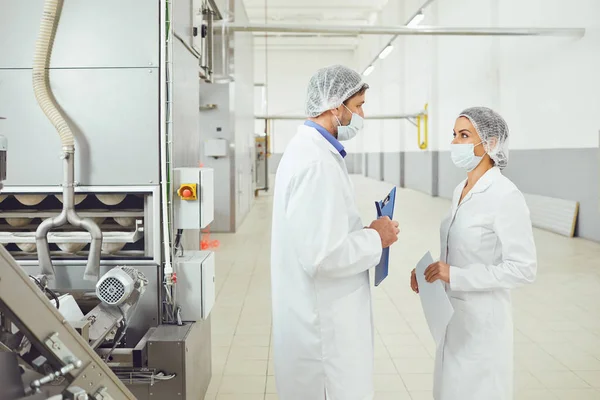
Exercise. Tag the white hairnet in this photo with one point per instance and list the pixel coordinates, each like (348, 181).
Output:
(330, 87)
(493, 131)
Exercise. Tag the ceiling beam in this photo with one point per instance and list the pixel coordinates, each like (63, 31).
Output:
(403, 30)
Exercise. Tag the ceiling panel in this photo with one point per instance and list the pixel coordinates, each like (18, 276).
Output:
(312, 12)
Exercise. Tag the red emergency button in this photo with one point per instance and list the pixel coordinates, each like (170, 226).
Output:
(187, 191)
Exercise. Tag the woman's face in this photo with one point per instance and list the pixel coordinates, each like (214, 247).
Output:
(465, 133)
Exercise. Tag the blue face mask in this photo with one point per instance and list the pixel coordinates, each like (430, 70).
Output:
(347, 132)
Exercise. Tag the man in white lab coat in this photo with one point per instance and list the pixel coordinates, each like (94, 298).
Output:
(321, 253)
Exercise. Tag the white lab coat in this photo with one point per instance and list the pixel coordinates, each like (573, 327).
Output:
(488, 242)
(320, 256)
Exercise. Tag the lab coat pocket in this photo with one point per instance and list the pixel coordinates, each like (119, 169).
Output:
(470, 327)
(352, 321)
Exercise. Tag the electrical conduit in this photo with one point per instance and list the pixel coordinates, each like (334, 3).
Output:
(167, 126)
(41, 88)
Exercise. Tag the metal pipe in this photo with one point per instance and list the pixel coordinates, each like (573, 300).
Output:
(403, 30)
(41, 84)
(69, 215)
(374, 117)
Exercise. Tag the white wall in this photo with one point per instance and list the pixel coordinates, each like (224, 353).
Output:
(545, 87)
(288, 76)
(244, 120)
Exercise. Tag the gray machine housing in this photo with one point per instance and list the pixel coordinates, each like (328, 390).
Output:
(105, 73)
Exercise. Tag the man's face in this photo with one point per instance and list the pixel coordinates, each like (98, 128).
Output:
(353, 105)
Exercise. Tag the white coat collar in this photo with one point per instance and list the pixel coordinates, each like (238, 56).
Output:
(319, 140)
(481, 186)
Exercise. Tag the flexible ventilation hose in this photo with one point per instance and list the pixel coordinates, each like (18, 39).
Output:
(43, 95)
(41, 64)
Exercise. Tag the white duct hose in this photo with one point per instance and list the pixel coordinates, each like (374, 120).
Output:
(41, 64)
(41, 87)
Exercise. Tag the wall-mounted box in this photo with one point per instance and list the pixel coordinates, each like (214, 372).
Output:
(215, 148)
(195, 212)
(195, 288)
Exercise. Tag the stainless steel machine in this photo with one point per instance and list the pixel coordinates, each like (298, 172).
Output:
(99, 298)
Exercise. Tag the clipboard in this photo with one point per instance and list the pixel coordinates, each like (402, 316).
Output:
(385, 208)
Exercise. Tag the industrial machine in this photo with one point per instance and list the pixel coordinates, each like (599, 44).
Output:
(104, 290)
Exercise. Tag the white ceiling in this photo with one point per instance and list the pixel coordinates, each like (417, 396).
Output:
(311, 12)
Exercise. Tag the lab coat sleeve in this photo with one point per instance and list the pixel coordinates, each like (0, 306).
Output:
(512, 224)
(317, 215)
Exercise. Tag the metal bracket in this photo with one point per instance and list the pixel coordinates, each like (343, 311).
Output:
(75, 393)
(102, 394)
(56, 346)
(412, 121)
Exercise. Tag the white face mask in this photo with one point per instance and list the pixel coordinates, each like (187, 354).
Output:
(463, 156)
(347, 132)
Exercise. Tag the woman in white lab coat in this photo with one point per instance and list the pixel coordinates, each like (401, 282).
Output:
(487, 249)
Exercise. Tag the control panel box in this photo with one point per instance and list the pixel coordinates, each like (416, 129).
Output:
(193, 198)
(215, 148)
(195, 288)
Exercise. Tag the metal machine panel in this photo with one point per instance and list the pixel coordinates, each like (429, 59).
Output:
(195, 284)
(185, 351)
(108, 33)
(195, 214)
(208, 285)
(70, 278)
(114, 117)
(186, 123)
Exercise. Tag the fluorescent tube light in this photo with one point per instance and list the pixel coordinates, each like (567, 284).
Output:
(386, 52)
(416, 20)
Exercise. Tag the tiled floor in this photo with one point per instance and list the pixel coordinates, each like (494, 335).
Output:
(557, 349)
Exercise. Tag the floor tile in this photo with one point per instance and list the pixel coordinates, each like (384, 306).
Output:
(388, 383)
(243, 385)
(246, 367)
(414, 365)
(392, 396)
(591, 377)
(421, 395)
(561, 380)
(418, 382)
(385, 366)
(536, 394)
(577, 394)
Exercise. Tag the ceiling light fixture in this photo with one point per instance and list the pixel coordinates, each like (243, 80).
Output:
(369, 69)
(386, 52)
(416, 20)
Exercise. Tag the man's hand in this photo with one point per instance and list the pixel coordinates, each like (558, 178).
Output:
(387, 229)
(438, 270)
(414, 285)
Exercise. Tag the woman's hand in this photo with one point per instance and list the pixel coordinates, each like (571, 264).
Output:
(438, 270)
(414, 285)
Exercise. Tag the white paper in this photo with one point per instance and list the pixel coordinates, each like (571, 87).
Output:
(436, 304)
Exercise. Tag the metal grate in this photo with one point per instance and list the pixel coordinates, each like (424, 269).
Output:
(111, 291)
